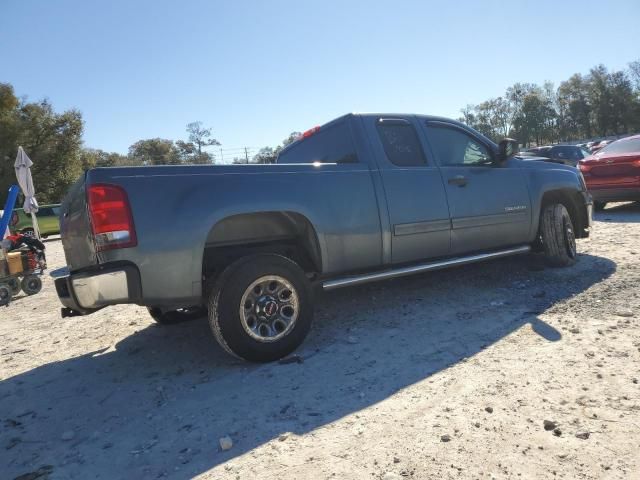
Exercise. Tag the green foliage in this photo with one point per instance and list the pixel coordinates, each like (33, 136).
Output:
(269, 154)
(601, 103)
(154, 151)
(52, 140)
(92, 158)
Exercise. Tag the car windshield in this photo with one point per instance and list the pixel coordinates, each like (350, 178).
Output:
(622, 146)
(585, 153)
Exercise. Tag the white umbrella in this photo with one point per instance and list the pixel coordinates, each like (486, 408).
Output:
(23, 174)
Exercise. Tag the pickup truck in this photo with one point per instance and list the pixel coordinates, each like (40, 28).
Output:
(364, 197)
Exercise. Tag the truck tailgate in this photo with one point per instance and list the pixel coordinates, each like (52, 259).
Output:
(75, 229)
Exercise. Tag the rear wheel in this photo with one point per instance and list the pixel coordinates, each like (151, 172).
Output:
(599, 206)
(261, 308)
(5, 294)
(14, 285)
(557, 235)
(179, 315)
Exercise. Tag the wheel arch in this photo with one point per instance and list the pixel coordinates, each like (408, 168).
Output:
(573, 202)
(287, 233)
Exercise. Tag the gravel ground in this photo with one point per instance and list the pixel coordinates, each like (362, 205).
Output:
(497, 370)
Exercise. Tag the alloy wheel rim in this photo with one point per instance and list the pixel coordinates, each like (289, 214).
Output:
(570, 238)
(269, 308)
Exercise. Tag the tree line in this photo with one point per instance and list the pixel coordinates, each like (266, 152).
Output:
(601, 103)
(54, 142)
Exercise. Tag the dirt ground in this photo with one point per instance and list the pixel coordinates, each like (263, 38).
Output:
(451, 374)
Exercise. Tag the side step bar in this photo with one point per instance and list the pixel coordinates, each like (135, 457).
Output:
(425, 267)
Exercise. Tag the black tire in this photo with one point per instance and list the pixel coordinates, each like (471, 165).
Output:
(14, 285)
(558, 237)
(599, 206)
(176, 316)
(31, 284)
(230, 325)
(5, 294)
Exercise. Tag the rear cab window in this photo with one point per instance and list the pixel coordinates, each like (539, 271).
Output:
(330, 144)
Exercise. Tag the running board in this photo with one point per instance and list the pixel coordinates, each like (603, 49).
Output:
(425, 267)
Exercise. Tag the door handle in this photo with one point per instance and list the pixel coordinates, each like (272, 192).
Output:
(458, 180)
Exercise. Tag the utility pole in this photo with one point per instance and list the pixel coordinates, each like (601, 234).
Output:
(246, 155)
(221, 155)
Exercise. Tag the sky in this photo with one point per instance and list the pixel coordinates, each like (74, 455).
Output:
(254, 71)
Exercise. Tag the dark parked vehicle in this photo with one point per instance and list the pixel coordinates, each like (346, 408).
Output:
(362, 198)
(567, 154)
(613, 173)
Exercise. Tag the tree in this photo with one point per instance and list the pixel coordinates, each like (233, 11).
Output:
(154, 151)
(52, 140)
(574, 115)
(634, 73)
(199, 138)
(92, 158)
(266, 155)
(269, 154)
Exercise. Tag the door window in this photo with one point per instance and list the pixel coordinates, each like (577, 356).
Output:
(400, 143)
(454, 147)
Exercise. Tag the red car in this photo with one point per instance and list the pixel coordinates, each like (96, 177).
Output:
(613, 173)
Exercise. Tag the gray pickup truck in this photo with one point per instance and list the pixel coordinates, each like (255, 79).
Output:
(361, 198)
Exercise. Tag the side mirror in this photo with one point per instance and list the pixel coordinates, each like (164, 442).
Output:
(507, 149)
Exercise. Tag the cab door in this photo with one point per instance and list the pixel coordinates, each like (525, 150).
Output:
(416, 201)
(489, 204)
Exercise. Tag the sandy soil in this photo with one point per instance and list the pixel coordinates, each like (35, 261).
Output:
(445, 375)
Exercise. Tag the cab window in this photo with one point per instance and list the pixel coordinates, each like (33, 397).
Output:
(331, 144)
(454, 147)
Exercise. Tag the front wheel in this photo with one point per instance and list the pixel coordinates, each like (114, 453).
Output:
(31, 284)
(557, 235)
(260, 308)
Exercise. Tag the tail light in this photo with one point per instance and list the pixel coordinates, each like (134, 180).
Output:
(111, 219)
(584, 168)
(636, 163)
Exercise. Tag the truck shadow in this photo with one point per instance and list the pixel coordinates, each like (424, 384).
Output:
(157, 404)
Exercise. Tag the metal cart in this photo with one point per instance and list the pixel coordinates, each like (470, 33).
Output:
(28, 280)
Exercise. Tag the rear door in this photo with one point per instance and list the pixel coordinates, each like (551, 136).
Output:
(489, 204)
(416, 201)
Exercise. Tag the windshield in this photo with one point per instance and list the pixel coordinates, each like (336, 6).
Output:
(623, 146)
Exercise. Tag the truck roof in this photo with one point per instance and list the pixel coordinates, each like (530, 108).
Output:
(387, 114)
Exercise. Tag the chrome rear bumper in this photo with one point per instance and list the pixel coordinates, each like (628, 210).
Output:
(88, 291)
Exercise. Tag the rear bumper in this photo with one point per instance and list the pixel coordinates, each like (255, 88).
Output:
(616, 194)
(87, 291)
